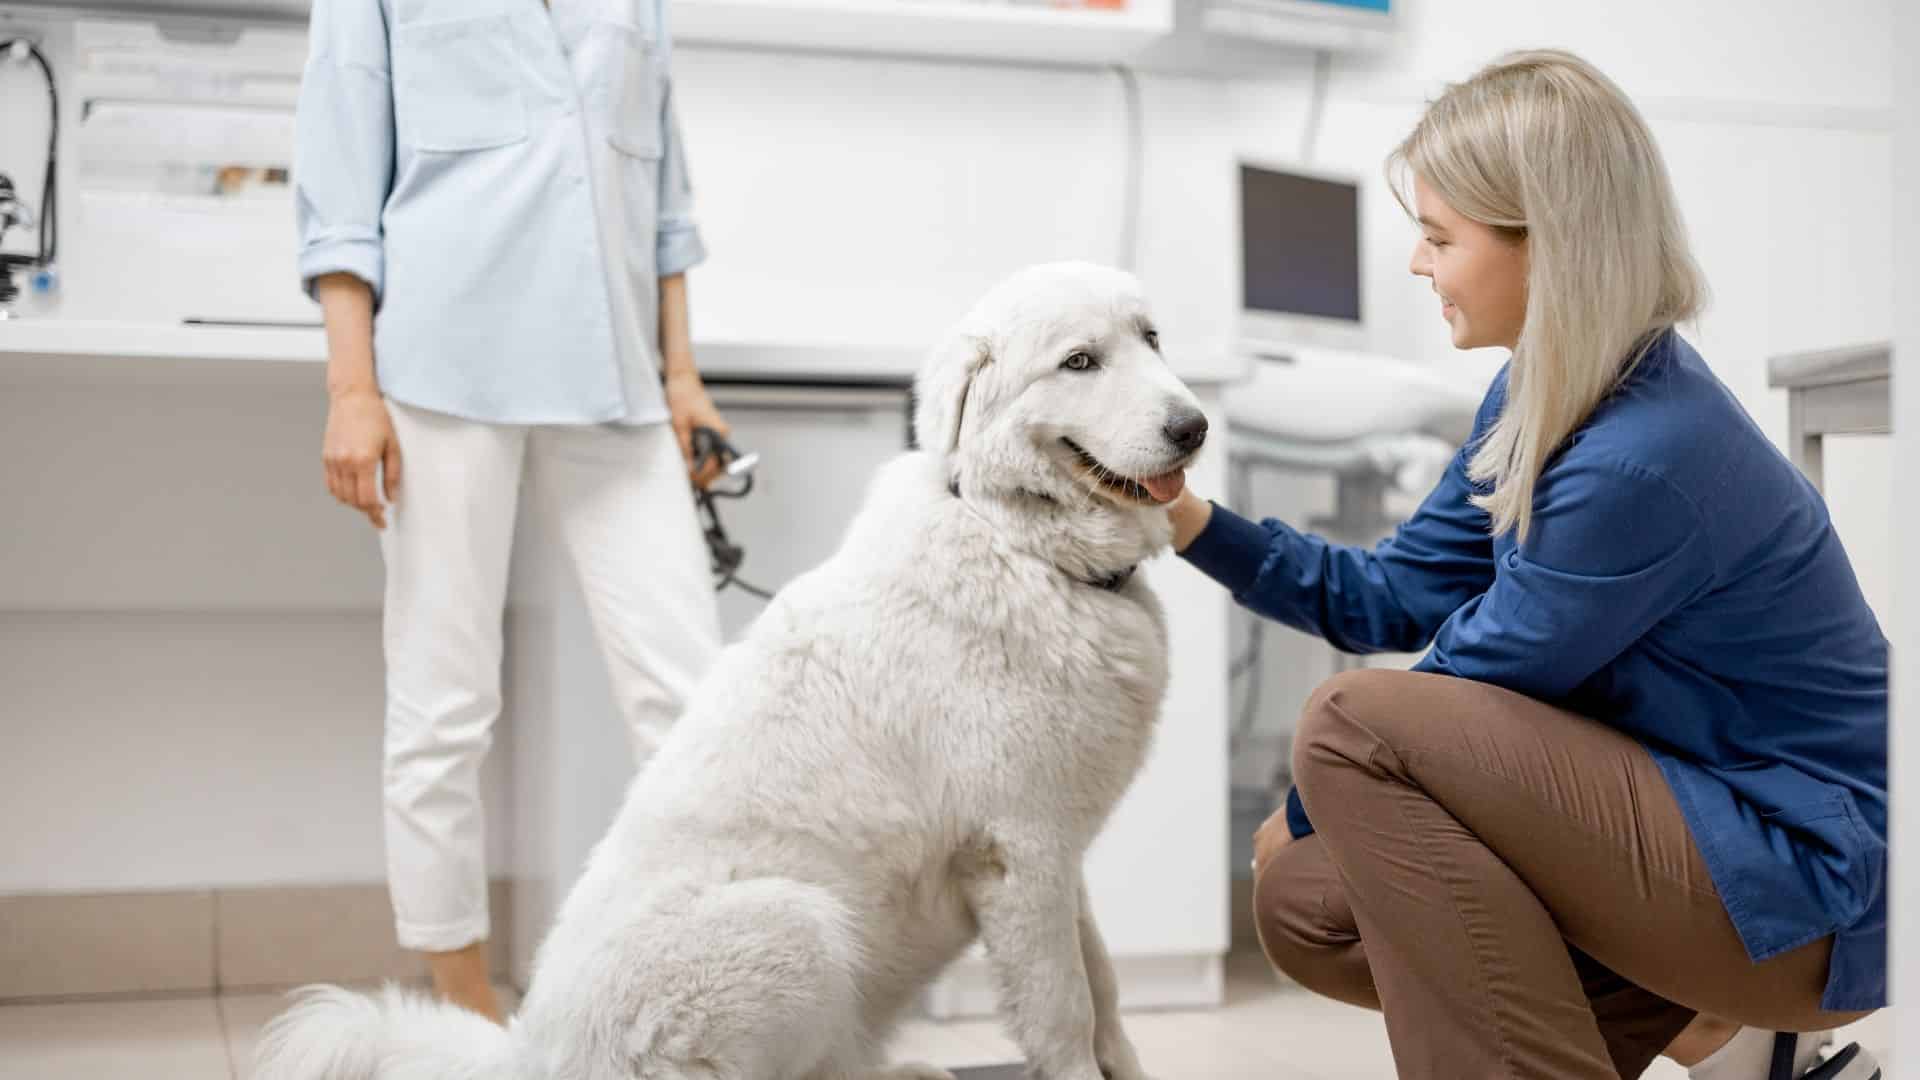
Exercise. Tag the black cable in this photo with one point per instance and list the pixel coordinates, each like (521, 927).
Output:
(49, 235)
(724, 555)
(751, 590)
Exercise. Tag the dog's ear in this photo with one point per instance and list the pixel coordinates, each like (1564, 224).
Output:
(943, 387)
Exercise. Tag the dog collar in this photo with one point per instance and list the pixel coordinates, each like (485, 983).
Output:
(1110, 583)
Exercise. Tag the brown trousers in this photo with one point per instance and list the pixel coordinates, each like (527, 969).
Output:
(1513, 885)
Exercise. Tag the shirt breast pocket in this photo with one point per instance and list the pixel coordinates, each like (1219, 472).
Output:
(457, 85)
(638, 90)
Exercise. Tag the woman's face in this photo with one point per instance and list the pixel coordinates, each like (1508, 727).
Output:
(1479, 272)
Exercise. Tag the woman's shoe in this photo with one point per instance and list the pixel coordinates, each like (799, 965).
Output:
(1851, 1063)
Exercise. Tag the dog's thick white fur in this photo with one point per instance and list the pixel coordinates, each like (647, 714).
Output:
(913, 746)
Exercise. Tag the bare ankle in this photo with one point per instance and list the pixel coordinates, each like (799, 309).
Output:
(461, 977)
(1700, 1039)
(477, 999)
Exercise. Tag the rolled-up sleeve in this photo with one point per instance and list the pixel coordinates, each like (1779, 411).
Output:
(679, 246)
(344, 144)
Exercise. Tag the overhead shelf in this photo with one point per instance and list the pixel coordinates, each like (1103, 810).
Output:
(1222, 38)
(977, 29)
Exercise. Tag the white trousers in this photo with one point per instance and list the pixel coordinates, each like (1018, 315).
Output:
(620, 503)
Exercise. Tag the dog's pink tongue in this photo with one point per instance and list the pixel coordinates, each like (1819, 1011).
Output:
(1167, 486)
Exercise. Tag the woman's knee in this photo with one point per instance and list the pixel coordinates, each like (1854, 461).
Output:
(1290, 913)
(1307, 934)
(1349, 705)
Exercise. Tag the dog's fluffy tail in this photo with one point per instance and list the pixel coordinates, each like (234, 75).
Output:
(335, 1034)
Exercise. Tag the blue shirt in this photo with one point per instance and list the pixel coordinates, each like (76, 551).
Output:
(1683, 583)
(511, 183)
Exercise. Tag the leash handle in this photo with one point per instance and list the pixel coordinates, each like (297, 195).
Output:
(709, 444)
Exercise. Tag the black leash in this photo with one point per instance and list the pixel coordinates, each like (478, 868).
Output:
(724, 556)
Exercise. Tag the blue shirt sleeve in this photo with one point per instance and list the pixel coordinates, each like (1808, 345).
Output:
(1391, 598)
(344, 143)
(1614, 550)
(1297, 821)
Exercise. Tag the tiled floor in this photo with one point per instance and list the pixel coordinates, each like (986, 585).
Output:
(1266, 1031)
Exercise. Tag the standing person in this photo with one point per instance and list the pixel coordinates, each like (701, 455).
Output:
(495, 216)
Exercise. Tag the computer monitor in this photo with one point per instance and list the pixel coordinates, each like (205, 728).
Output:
(1299, 258)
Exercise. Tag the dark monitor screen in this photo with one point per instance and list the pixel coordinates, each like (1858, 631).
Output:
(1299, 244)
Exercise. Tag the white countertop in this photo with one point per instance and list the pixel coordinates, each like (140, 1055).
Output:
(1825, 367)
(40, 344)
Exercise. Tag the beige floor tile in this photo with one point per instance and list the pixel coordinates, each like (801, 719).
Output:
(1267, 1030)
(167, 1039)
(241, 1018)
(1214, 1045)
(948, 1043)
(1303, 1032)
(1330, 1041)
(1247, 1038)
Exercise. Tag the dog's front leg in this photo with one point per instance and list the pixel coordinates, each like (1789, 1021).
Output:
(1111, 1047)
(1027, 904)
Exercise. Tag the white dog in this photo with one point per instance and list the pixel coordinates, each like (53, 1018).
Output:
(913, 746)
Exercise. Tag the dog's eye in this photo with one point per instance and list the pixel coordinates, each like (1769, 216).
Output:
(1153, 339)
(1080, 361)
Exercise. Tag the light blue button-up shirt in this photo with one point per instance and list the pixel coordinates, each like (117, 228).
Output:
(510, 181)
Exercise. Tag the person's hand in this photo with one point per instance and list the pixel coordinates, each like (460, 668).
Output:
(690, 407)
(1269, 838)
(1189, 514)
(359, 446)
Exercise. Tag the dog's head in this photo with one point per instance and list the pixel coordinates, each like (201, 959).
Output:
(1054, 386)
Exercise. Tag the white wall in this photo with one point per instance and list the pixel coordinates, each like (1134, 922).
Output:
(1906, 512)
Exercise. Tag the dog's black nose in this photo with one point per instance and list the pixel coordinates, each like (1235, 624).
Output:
(1187, 430)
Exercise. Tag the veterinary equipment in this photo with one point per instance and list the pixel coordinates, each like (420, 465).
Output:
(1299, 257)
(14, 212)
(1380, 427)
(1316, 402)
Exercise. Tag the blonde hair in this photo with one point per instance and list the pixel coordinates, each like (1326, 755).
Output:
(1540, 145)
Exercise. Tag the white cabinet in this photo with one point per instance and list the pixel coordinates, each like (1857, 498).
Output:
(815, 462)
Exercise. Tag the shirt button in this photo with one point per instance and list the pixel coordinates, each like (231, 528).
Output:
(1513, 560)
